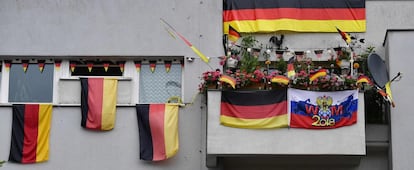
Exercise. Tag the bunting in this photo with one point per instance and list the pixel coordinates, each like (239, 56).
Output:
(158, 131)
(138, 65)
(90, 66)
(25, 65)
(261, 16)
(167, 66)
(30, 133)
(254, 109)
(41, 64)
(106, 66)
(98, 103)
(121, 65)
(72, 66)
(58, 63)
(152, 65)
(7, 64)
(322, 110)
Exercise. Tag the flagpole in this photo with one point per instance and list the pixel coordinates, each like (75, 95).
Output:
(195, 50)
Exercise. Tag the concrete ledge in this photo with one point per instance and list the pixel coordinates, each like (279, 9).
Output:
(225, 141)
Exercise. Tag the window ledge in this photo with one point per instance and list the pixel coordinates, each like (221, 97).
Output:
(115, 77)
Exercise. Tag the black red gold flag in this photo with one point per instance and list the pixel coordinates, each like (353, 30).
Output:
(158, 131)
(30, 133)
(261, 16)
(254, 109)
(98, 103)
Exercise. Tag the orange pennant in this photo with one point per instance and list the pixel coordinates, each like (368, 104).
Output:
(90, 66)
(72, 67)
(121, 66)
(106, 66)
(138, 66)
(57, 64)
(167, 66)
(7, 64)
(25, 64)
(153, 65)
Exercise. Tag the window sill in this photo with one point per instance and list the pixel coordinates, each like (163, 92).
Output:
(115, 77)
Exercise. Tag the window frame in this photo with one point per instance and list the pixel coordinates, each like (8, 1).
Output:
(5, 78)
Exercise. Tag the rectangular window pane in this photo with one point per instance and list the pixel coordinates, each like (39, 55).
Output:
(32, 85)
(158, 86)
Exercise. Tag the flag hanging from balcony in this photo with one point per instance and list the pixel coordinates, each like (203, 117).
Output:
(322, 110)
(98, 103)
(254, 109)
(30, 133)
(260, 16)
(158, 131)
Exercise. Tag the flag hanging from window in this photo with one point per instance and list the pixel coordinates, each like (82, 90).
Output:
(322, 110)
(98, 103)
(254, 16)
(254, 109)
(158, 131)
(30, 133)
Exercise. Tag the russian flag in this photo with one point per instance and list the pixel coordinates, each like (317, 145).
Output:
(98, 103)
(322, 110)
(30, 133)
(158, 131)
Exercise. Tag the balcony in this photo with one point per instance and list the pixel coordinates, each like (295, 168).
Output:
(283, 143)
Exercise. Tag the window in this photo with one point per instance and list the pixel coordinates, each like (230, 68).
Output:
(69, 87)
(32, 85)
(159, 85)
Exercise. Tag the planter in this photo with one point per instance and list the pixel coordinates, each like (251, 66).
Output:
(212, 85)
(232, 63)
(255, 86)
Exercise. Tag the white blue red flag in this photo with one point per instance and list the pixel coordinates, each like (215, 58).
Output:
(322, 110)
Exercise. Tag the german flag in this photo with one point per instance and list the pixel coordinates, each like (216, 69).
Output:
(254, 109)
(234, 35)
(229, 80)
(98, 103)
(158, 131)
(254, 16)
(345, 36)
(291, 70)
(30, 133)
(364, 79)
(319, 73)
(280, 79)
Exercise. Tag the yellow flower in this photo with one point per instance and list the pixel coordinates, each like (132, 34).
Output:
(356, 65)
(267, 62)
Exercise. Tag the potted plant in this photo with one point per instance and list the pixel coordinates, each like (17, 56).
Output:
(249, 54)
(209, 80)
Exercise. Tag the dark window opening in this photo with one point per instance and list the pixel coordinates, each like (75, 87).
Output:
(96, 68)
